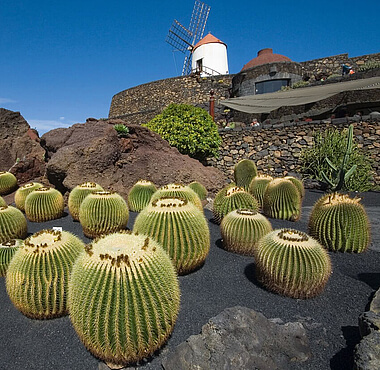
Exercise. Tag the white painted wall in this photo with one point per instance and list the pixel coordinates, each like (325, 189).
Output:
(214, 58)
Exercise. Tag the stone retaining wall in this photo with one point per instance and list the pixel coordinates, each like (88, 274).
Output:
(141, 103)
(276, 148)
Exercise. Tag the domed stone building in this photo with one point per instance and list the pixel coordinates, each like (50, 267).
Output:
(266, 73)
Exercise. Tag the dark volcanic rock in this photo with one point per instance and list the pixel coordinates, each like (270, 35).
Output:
(93, 152)
(241, 338)
(19, 141)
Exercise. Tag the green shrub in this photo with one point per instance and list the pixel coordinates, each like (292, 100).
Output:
(122, 130)
(190, 129)
(332, 144)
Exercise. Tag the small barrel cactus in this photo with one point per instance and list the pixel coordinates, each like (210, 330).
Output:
(44, 204)
(292, 263)
(178, 190)
(23, 191)
(340, 223)
(124, 297)
(282, 200)
(180, 227)
(298, 183)
(77, 195)
(140, 194)
(3, 203)
(241, 229)
(103, 212)
(199, 189)
(257, 187)
(38, 274)
(13, 224)
(7, 250)
(8, 182)
(244, 172)
(234, 198)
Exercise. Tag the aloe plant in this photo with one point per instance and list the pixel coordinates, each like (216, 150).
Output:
(341, 174)
(124, 297)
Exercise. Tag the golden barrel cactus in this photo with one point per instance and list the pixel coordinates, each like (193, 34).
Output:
(23, 191)
(13, 224)
(7, 250)
(8, 182)
(140, 195)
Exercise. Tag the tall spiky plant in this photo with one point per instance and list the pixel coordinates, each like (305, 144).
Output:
(180, 227)
(38, 274)
(292, 263)
(241, 229)
(244, 172)
(44, 204)
(103, 212)
(77, 196)
(140, 195)
(124, 297)
(13, 224)
(340, 223)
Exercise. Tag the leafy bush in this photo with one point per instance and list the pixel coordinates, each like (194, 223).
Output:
(122, 130)
(370, 64)
(191, 130)
(332, 144)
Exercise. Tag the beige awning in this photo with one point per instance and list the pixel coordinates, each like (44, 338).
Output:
(265, 103)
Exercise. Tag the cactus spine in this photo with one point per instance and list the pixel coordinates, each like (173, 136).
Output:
(231, 198)
(44, 204)
(199, 189)
(180, 227)
(8, 182)
(244, 172)
(178, 190)
(7, 250)
(13, 224)
(38, 274)
(241, 229)
(292, 263)
(23, 191)
(124, 297)
(77, 196)
(140, 194)
(340, 223)
(282, 200)
(257, 187)
(103, 212)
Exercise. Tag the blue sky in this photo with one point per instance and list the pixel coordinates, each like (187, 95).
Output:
(61, 62)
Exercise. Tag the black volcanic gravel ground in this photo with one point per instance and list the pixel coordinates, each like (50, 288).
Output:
(226, 280)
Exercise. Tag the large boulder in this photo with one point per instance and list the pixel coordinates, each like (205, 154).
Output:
(92, 151)
(20, 142)
(241, 338)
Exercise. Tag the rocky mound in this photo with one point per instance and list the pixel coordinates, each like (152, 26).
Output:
(19, 141)
(93, 152)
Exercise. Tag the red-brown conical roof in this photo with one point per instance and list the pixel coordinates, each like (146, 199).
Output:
(208, 39)
(265, 56)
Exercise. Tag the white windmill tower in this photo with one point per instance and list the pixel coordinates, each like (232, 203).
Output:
(208, 55)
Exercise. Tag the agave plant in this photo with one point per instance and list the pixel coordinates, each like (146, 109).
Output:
(244, 172)
(38, 274)
(103, 212)
(7, 250)
(199, 189)
(282, 200)
(340, 223)
(124, 297)
(231, 198)
(140, 194)
(178, 190)
(44, 204)
(13, 224)
(257, 187)
(292, 263)
(23, 191)
(77, 196)
(241, 229)
(8, 182)
(180, 227)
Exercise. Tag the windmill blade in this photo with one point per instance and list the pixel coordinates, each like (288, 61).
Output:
(186, 69)
(198, 20)
(179, 37)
